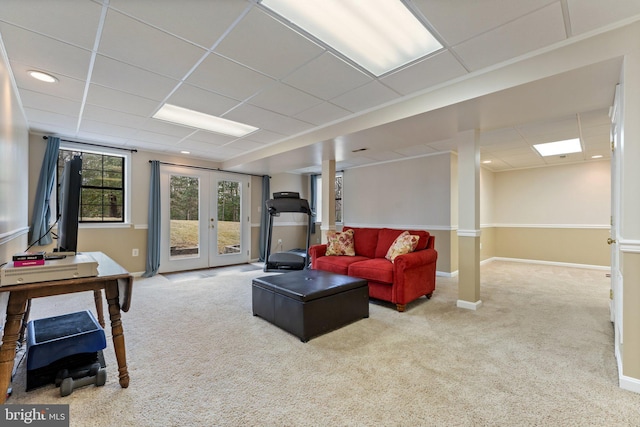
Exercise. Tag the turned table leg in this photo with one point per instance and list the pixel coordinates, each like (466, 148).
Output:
(97, 296)
(15, 316)
(111, 291)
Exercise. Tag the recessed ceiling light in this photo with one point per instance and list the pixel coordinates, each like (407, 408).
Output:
(43, 77)
(559, 147)
(597, 156)
(379, 35)
(185, 152)
(186, 117)
(486, 162)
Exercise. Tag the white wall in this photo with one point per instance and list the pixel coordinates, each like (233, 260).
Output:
(487, 196)
(14, 168)
(14, 174)
(414, 192)
(576, 194)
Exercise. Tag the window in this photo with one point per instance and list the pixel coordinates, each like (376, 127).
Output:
(102, 197)
(338, 197)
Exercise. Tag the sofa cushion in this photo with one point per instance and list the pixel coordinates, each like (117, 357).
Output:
(377, 269)
(387, 236)
(405, 243)
(340, 243)
(365, 239)
(337, 264)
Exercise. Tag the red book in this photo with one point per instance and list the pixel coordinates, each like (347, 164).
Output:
(28, 263)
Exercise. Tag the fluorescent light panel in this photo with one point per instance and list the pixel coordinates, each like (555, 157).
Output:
(559, 147)
(184, 116)
(380, 35)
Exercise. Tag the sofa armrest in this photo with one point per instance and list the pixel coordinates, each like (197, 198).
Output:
(315, 252)
(415, 259)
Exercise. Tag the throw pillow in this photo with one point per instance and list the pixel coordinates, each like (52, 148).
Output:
(404, 244)
(340, 243)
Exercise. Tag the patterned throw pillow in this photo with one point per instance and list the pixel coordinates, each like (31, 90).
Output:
(404, 244)
(340, 243)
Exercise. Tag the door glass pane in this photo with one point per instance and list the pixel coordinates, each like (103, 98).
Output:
(228, 217)
(184, 208)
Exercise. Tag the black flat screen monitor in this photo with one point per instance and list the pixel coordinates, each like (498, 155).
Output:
(69, 204)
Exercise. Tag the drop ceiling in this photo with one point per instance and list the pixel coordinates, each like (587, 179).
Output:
(118, 61)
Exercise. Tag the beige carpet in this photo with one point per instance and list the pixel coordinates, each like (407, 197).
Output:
(539, 352)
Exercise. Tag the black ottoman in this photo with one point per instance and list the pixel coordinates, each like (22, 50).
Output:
(308, 303)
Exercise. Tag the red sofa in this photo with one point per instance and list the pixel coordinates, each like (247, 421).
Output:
(408, 278)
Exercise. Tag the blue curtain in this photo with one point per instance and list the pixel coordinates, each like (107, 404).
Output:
(153, 233)
(264, 218)
(312, 204)
(41, 209)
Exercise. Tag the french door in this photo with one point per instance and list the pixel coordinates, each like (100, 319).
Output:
(205, 219)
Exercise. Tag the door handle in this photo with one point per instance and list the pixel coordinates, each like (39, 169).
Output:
(610, 241)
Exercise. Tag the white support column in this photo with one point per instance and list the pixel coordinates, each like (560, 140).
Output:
(328, 198)
(469, 220)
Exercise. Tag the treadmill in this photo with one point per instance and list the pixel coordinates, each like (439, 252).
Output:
(295, 259)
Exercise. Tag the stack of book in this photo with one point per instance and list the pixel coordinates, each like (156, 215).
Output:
(28, 259)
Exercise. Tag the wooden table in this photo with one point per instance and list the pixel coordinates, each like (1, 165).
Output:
(115, 280)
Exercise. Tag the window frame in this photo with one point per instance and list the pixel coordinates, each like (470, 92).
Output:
(319, 199)
(83, 148)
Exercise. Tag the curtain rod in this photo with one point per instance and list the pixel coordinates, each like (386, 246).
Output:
(132, 150)
(206, 168)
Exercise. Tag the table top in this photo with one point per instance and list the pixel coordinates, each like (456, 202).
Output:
(307, 285)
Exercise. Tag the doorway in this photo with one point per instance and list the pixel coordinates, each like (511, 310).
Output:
(205, 219)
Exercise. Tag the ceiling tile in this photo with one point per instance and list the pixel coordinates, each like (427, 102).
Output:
(244, 145)
(107, 129)
(543, 128)
(264, 136)
(457, 21)
(40, 101)
(210, 138)
(191, 144)
(587, 15)
(48, 18)
(104, 115)
(121, 101)
(327, 77)
(514, 38)
(166, 128)
(523, 161)
(102, 138)
(264, 119)
(51, 118)
(202, 22)
(367, 96)
(197, 99)
(126, 78)
(264, 44)
(44, 53)
(228, 78)
(284, 99)
(429, 72)
(147, 47)
(159, 138)
(322, 113)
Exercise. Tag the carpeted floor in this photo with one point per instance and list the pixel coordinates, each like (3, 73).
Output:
(539, 352)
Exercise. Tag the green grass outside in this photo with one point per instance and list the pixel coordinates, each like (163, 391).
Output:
(184, 234)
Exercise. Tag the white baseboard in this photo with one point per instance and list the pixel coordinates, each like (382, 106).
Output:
(630, 384)
(469, 305)
(558, 264)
